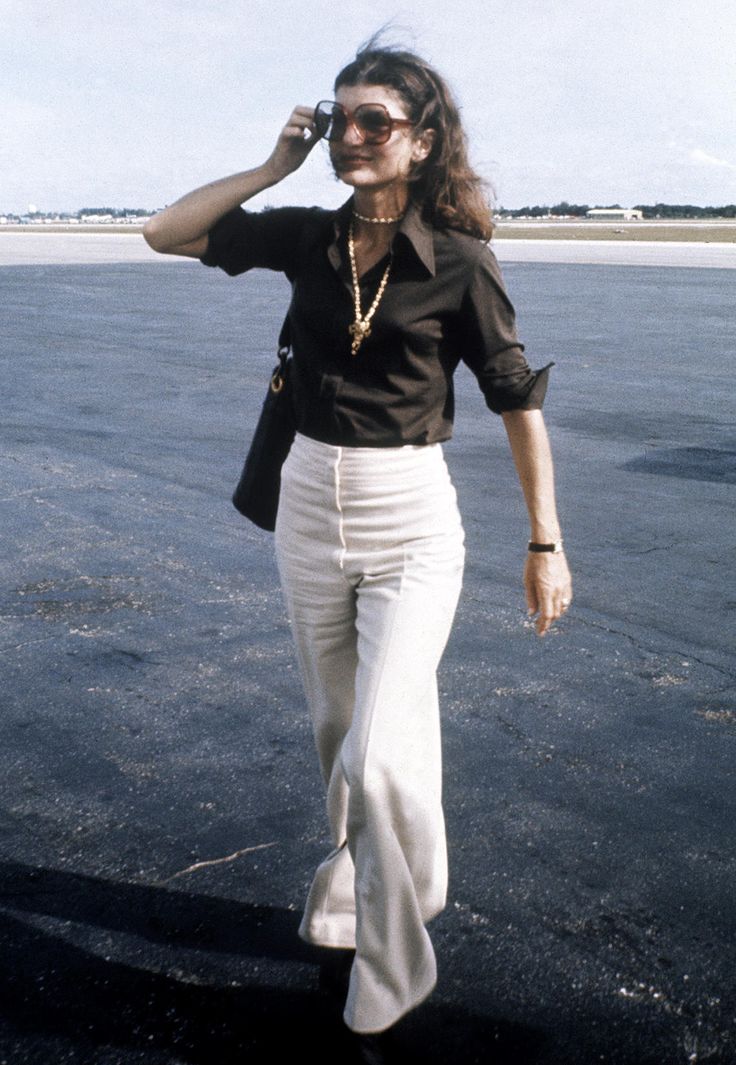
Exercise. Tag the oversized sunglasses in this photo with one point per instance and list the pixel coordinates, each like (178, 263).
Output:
(372, 122)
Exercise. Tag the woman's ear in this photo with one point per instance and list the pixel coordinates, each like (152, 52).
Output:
(423, 145)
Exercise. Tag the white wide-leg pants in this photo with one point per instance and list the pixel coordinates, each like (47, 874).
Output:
(370, 552)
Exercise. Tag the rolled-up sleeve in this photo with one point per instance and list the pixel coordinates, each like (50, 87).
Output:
(491, 347)
(242, 240)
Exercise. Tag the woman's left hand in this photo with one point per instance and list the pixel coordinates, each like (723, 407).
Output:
(548, 587)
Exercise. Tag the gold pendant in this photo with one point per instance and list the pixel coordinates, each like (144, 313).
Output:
(359, 331)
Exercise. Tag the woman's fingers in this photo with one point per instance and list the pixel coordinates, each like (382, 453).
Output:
(563, 601)
(548, 588)
(296, 140)
(530, 590)
(301, 122)
(545, 617)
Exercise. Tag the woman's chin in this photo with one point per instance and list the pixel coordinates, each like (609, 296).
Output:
(350, 173)
(360, 179)
(356, 180)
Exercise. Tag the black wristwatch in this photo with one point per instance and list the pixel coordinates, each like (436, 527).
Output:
(555, 547)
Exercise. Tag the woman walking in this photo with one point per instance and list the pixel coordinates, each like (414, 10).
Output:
(390, 293)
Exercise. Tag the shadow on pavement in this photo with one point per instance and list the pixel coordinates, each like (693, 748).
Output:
(53, 990)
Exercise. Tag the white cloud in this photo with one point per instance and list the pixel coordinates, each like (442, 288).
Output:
(698, 156)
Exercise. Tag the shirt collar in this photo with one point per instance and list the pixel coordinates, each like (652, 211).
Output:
(413, 233)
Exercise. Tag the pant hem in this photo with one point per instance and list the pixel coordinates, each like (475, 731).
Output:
(325, 938)
(375, 1029)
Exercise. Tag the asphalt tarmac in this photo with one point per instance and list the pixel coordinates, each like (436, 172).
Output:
(161, 811)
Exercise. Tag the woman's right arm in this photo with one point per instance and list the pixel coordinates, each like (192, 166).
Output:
(182, 228)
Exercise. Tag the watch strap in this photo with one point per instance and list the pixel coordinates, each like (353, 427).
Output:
(555, 547)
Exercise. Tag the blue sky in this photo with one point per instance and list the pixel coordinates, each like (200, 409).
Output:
(132, 103)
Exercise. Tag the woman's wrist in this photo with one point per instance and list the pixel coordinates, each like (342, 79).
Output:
(541, 532)
(272, 173)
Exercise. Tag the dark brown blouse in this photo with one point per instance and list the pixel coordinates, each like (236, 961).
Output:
(444, 302)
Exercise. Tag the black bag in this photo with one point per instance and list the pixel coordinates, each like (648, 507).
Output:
(257, 493)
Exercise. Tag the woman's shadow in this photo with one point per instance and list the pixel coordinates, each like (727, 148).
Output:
(62, 990)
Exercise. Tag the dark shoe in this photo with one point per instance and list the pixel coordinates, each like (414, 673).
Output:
(334, 974)
(379, 1048)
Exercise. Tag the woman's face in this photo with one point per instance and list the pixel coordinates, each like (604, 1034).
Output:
(376, 165)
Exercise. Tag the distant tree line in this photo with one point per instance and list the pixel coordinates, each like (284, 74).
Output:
(116, 212)
(685, 210)
(564, 208)
(657, 210)
(104, 213)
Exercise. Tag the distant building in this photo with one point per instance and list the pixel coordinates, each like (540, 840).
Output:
(618, 214)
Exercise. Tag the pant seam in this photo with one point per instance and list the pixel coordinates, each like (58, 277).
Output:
(340, 514)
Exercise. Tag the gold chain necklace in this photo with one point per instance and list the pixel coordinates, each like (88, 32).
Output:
(361, 327)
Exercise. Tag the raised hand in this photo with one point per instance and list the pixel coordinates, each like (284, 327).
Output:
(295, 142)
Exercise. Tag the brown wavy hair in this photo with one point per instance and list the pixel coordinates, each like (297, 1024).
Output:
(446, 188)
